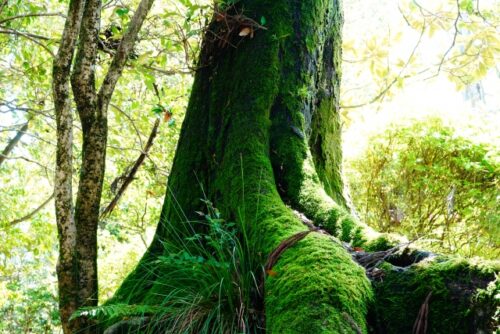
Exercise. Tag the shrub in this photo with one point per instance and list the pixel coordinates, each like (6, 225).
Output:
(426, 181)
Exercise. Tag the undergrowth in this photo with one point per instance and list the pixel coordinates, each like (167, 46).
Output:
(207, 281)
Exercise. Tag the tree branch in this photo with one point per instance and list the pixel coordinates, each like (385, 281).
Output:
(131, 122)
(130, 177)
(400, 74)
(168, 72)
(120, 58)
(26, 159)
(13, 142)
(3, 4)
(24, 34)
(29, 15)
(454, 40)
(32, 213)
(30, 37)
(83, 77)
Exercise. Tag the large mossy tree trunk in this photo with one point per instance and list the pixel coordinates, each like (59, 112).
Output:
(261, 138)
(254, 111)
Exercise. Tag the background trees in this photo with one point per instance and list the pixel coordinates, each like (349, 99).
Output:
(425, 181)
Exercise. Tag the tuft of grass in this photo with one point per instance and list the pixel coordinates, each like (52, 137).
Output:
(208, 280)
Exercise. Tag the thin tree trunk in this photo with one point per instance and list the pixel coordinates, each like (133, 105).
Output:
(66, 266)
(77, 266)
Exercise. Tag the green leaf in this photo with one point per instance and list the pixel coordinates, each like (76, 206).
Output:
(121, 12)
(158, 109)
(263, 20)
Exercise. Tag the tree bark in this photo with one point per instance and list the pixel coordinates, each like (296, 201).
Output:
(66, 264)
(261, 138)
(77, 265)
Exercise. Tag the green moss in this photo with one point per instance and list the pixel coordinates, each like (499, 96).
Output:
(453, 307)
(383, 242)
(296, 303)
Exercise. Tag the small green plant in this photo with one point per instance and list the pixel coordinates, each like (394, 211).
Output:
(427, 182)
(210, 283)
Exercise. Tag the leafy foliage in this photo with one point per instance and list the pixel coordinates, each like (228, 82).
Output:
(426, 181)
(453, 39)
(29, 309)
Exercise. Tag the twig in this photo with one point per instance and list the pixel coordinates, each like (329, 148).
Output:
(167, 72)
(26, 159)
(400, 74)
(30, 37)
(130, 120)
(3, 4)
(353, 323)
(30, 15)
(371, 260)
(13, 142)
(420, 325)
(32, 213)
(454, 40)
(282, 247)
(130, 177)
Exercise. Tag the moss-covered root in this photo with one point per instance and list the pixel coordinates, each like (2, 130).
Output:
(463, 298)
(302, 188)
(317, 288)
(328, 214)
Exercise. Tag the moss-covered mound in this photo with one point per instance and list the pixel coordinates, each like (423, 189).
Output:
(442, 295)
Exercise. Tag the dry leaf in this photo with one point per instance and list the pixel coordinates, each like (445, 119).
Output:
(245, 31)
(167, 116)
(271, 273)
(219, 17)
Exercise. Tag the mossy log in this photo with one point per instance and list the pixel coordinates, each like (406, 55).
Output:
(261, 138)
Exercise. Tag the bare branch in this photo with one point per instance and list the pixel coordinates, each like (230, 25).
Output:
(131, 122)
(119, 60)
(30, 37)
(130, 177)
(24, 34)
(32, 213)
(3, 4)
(13, 142)
(400, 75)
(168, 72)
(454, 40)
(30, 15)
(26, 159)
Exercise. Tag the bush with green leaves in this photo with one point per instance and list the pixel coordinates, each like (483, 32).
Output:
(427, 182)
(29, 309)
(206, 282)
